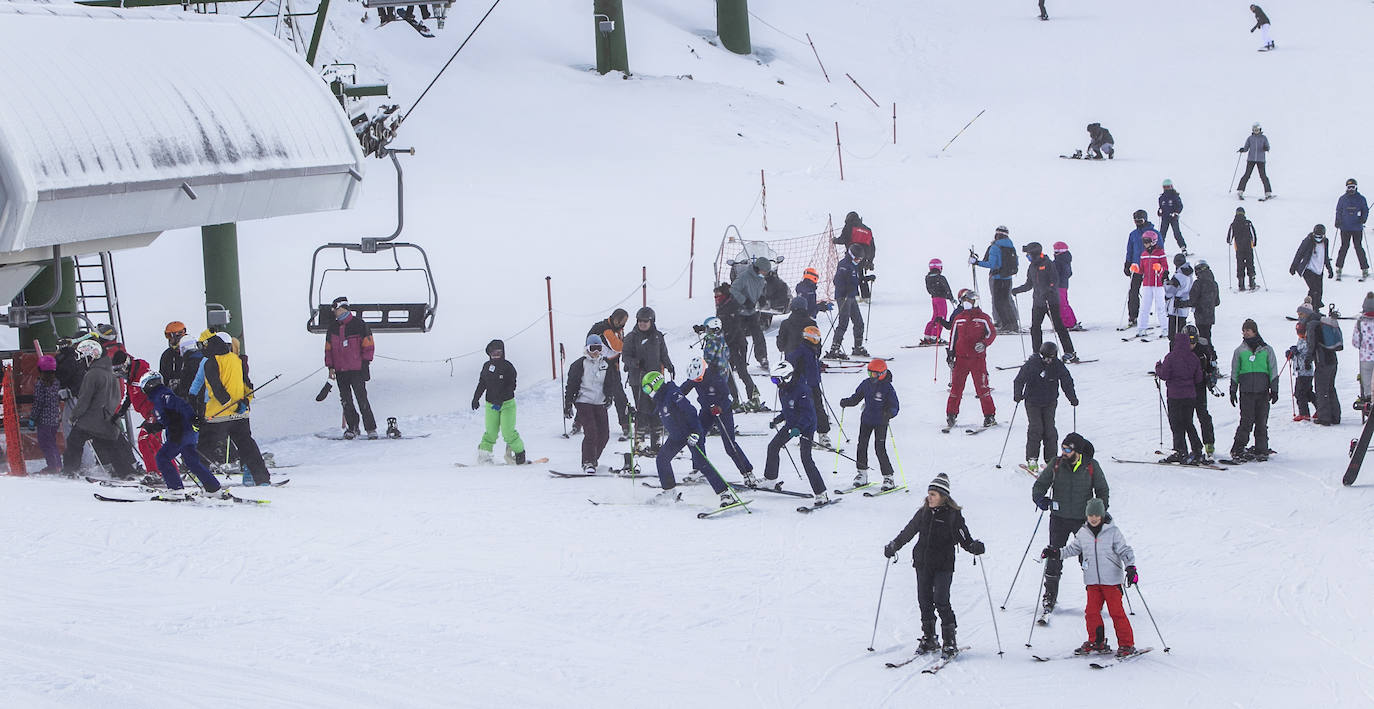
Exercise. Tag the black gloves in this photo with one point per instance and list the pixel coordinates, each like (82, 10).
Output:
(568, 411)
(1233, 396)
(848, 402)
(151, 426)
(1073, 402)
(1049, 553)
(367, 370)
(889, 551)
(976, 548)
(1273, 396)
(475, 405)
(1042, 502)
(1132, 578)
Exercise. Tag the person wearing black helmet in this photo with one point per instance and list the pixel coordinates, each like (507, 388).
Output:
(1000, 260)
(1042, 276)
(1134, 247)
(856, 233)
(1205, 296)
(645, 351)
(848, 276)
(1351, 212)
(1241, 236)
(1037, 386)
(1312, 258)
(1207, 357)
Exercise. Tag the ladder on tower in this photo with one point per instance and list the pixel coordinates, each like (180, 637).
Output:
(97, 297)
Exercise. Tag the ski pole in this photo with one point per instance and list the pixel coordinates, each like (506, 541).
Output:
(1075, 419)
(935, 368)
(1293, 394)
(988, 589)
(973, 268)
(836, 471)
(831, 409)
(699, 450)
(562, 362)
(1260, 264)
(1232, 184)
(878, 612)
(1152, 617)
(1043, 569)
(1228, 272)
(1024, 554)
(897, 455)
(837, 450)
(1008, 437)
(1160, 391)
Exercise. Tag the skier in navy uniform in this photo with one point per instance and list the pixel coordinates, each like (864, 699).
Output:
(177, 419)
(683, 428)
(880, 406)
(798, 419)
(713, 402)
(1351, 213)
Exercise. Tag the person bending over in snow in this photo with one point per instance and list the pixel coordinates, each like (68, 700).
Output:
(1100, 141)
(497, 381)
(940, 524)
(680, 422)
(880, 406)
(1262, 24)
(713, 400)
(1108, 563)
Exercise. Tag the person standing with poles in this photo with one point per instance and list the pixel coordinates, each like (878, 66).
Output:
(1255, 149)
(1042, 276)
(940, 524)
(1207, 358)
(1311, 260)
(1170, 206)
(1037, 384)
(683, 428)
(1000, 260)
(1108, 565)
(1071, 479)
(348, 353)
(1351, 213)
(848, 276)
(880, 406)
(1182, 373)
(798, 419)
(1134, 248)
(1241, 236)
(713, 407)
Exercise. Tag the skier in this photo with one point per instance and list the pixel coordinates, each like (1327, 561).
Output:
(1170, 206)
(92, 416)
(1063, 266)
(1254, 374)
(684, 429)
(1311, 260)
(1262, 24)
(747, 292)
(169, 365)
(1206, 296)
(1178, 294)
(1351, 213)
(47, 413)
(1154, 270)
(1043, 15)
(592, 385)
(1099, 141)
(348, 352)
(856, 233)
(713, 405)
(645, 351)
(1207, 359)
(228, 395)
(735, 343)
(1108, 564)
(1037, 384)
(1324, 340)
(1299, 355)
(1241, 235)
(1362, 339)
(1041, 276)
(880, 406)
(1256, 146)
(714, 352)
(790, 329)
(109, 339)
(940, 524)
(938, 288)
(798, 419)
(191, 360)
(806, 361)
(175, 417)
(497, 381)
(1000, 260)
(1072, 479)
(1181, 373)
(971, 332)
(848, 276)
(806, 288)
(612, 334)
(148, 442)
(1134, 248)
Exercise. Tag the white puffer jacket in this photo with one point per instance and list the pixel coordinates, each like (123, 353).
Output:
(1105, 555)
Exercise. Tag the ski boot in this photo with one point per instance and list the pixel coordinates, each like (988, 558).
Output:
(951, 646)
(859, 351)
(764, 364)
(1269, 195)
(749, 479)
(820, 499)
(836, 353)
(928, 341)
(1208, 453)
(989, 420)
(1174, 457)
(1125, 651)
(861, 478)
(391, 430)
(589, 468)
(1192, 459)
(927, 644)
(350, 433)
(520, 458)
(823, 440)
(1338, 274)
(950, 419)
(1364, 273)
(371, 434)
(1033, 465)
(1091, 647)
(484, 457)
(888, 484)
(1070, 358)
(667, 497)
(1240, 194)
(726, 499)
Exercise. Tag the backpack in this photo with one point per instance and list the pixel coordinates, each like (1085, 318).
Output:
(1331, 337)
(1009, 262)
(861, 234)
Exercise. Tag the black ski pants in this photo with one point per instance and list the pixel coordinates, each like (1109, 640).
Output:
(754, 331)
(1204, 330)
(114, 452)
(596, 430)
(1040, 433)
(1254, 414)
(1314, 287)
(822, 418)
(1245, 267)
(1328, 403)
(1060, 530)
(1166, 223)
(879, 434)
(1133, 296)
(1357, 238)
(1181, 425)
(932, 592)
(620, 406)
(1043, 14)
(1304, 394)
(1204, 417)
(1176, 325)
(354, 385)
(739, 362)
(1251, 165)
(1004, 315)
(848, 309)
(775, 446)
(240, 432)
(1049, 305)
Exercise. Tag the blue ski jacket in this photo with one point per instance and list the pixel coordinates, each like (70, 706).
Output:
(675, 412)
(846, 279)
(994, 260)
(711, 390)
(879, 399)
(805, 359)
(176, 416)
(1351, 212)
(1134, 246)
(798, 411)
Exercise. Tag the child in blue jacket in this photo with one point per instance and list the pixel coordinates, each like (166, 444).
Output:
(680, 422)
(713, 400)
(880, 406)
(178, 419)
(798, 419)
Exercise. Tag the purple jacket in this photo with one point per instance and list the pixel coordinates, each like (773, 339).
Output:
(1180, 370)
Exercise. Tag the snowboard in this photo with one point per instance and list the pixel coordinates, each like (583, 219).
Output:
(1352, 470)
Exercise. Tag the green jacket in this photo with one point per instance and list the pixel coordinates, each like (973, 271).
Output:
(1072, 486)
(1254, 369)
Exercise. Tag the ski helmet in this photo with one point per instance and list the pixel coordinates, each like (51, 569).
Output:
(106, 332)
(89, 350)
(1060, 247)
(936, 264)
(151, 380)
(1180, 258)
(174, 330)
(877, 368)
(645, 313)
(1049, 350)
(712, 324)
(1255, 128)
(1191, 332)
(1149, 238)
(1168, 183)
(1140, 215)
(1351, 184)
(1240, 211)
(811, 334)
(696, 369)
(851, 219)
(856, 251)
(187, 345)
(1319, 230)
(651, 382)
(968, 295)
(1001, 231)
(798, 303)
(762, 264)
(1032, 249)
(782, 372)
(1202, 265)
(594, 341)
(47, 363)
(810, 274)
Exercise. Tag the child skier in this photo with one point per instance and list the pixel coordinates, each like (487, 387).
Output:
(47, 412)
(1170, 206)
(593, 385)
(177, 418)
(1154, 271)
(1063, 488)
(713, 405)
(799, 421)
(1178, 293)
(1108, 562)
(1241, 236)
(1063, 265)
(805, 357)
(1300, 357)
(848, 276)
(1362, 339)
(497, 381)
(938, 288)
(880, 406)
(683, 428)
(940, 522)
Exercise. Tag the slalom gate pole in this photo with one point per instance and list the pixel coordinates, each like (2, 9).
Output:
(1024, 554)
(1008, 436)
(1152, 617)
(1232, 184)
(997, 633)
(897, 455)
(878, 612)
(961, 130)
(836, 471)
(562, 364)
(1043, 569)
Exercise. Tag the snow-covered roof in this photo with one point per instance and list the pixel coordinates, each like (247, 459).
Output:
(112, 119)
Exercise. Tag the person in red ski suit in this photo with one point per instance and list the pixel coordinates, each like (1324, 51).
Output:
(131, 370)
(971, 332)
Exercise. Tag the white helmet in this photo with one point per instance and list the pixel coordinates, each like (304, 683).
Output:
(696, 369)
(782, 372)
(712, 324)
(149, 380)
(188, 344)
(89, 350)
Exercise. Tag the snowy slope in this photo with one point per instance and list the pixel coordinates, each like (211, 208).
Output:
(384, 576)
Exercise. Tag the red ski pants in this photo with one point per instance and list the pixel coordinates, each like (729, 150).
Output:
(1111, 595)
(977, 367)
(148, 445)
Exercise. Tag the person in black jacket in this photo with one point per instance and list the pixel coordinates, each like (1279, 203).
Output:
(728, 312)
(1042, 276)
(940, 524)
(856, 233)
(790, 329)
(497, 381)
(1206, 296)
(169, 366)
(1311, 259)
(1262, 24)
(1100, 141)
(645, 351)
(593, 384)
(1241, 236)
(1037, 384)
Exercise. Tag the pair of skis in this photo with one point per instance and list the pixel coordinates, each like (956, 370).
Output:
(936, 661)
(1106, 661)
(970, 431)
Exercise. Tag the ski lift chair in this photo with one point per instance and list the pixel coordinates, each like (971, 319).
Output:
(438, 8)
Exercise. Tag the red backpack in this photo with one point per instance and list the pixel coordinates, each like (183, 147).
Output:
(860, 235)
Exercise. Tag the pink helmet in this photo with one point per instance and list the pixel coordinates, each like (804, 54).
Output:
(1149, 238)
(936, 264)
(1060, 247)
(47, 363)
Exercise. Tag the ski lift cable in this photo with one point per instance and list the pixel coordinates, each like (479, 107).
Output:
(447, 63)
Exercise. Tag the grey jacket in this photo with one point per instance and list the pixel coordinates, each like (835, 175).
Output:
(1104, 555)
(97, 401)
(747, 289)
(1256, 145)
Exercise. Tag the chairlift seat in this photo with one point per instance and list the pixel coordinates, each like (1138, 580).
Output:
(381, 317)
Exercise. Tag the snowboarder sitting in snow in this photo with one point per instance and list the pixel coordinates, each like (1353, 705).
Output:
(497, 381)
(940, 524)
(177, 419)
(938, 288)
(880, 406)
(680, 422)
(1108, 562)
(1073, 478)
(713, 402)
(1100, 141)
(798, 419)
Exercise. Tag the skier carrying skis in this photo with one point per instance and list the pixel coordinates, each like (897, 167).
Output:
(1154, 270)
(1108, 563)
(1178, 294)
(798, 419)
(1362, 339)
(1042, 277)
(1207, 359)
(1311, 260)
(1241, 235)
(1206, 296)
(1181, 373)
(1134, 248)
(1063, 267)
(940, 524)
(1071, 480)
(497, 381)
(938, 288)
(1170, 206)
(348, 353)
(683, 427)
(1351, 213)
(1262, 24)
(1099, 141)
(1299, 355)
(848, 276)
(856, 233)
(1256, 145)
(176, 417)
(806, 361)
(1037, 384)
(645, 351)
(1254, 374)
(971, 332)
(592, 386)
(1000, 260)
(713, 406)
(880, 406)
